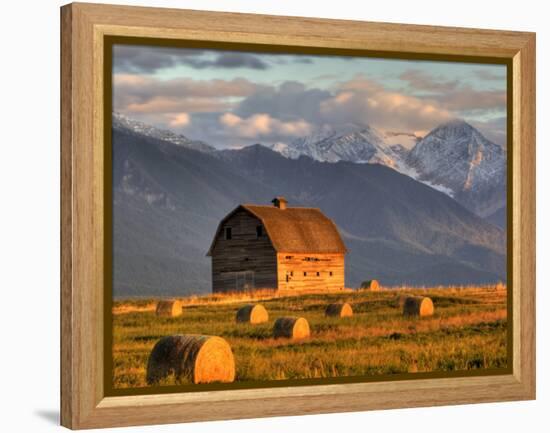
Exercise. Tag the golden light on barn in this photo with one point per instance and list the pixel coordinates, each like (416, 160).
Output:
(289, 249)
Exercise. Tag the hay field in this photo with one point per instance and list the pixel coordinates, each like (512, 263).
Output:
(467, 331)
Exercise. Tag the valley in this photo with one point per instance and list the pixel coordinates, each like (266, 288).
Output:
(170, 194)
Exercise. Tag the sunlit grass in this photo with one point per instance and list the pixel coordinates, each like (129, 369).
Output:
(467, 331)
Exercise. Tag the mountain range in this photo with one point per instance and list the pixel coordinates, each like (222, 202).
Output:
(170, 193)
(120, 121)
(454, 158)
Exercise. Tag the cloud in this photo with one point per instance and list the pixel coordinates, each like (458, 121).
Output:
(455, 95)
(289, 101)
(326, 77)
(141, 94)
(486, 75)
(363, 102)
(235, 60)
(122, 80)
(230, 120)
(494, 129)
(286, 59)
(180, 120)
(302, 59)
(239, 111)
(142, 59)
(420, 80)
(263, 125)
(174, 105)
(144, 86)
(468, 99)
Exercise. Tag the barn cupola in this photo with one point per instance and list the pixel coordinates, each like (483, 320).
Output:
(279, 202)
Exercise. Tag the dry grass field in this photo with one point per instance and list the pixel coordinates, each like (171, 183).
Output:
(467, 331)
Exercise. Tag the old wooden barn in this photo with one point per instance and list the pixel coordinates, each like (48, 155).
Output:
(277, 247)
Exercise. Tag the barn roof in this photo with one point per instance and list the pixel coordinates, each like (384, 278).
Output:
(294, 229)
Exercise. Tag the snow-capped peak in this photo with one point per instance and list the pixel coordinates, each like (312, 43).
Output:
(454, 158)
(404, 140)
(457, 156)
(120, 121)
(453, 129)
(354, 144)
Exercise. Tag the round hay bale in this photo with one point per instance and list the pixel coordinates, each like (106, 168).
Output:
(197, 358)
(418, 306)
(169, 308)
(339, 310)
(252, 313)
(371, 285)
(291, 327)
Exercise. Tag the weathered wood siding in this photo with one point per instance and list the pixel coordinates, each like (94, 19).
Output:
(245, 252)
(310, 272)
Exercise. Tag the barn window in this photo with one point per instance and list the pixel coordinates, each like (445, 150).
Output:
(330, 273)
(228, 233)
(318, 274)
(288, 257)
(291, 273)
(259, 231)
(305, 274)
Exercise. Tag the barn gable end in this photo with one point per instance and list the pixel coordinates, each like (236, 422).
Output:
(246, 261)
(277, 247)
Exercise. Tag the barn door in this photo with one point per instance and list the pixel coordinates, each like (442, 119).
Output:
(244, 280)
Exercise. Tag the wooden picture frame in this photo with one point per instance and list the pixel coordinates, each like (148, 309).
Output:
(84, 28)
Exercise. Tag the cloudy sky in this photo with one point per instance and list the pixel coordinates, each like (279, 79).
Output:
(233, 99)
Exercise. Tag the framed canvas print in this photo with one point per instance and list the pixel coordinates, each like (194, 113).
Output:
(269, 216)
